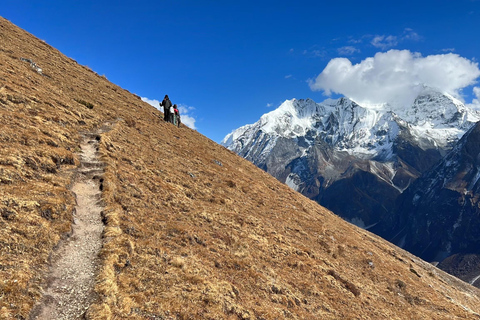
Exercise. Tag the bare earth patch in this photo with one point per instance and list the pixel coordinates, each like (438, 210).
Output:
(71, 277)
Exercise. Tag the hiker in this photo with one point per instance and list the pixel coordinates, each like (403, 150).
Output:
(177, 116)
(166, 104)
(171, 118)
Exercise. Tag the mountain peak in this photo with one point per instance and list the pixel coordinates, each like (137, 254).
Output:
(353, 128)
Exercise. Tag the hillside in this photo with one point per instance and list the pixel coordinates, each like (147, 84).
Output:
(192, 231)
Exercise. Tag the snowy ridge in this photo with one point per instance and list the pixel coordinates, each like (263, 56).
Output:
(435, 120)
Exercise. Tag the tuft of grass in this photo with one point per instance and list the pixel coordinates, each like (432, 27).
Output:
(178, 262)
(89, 105)
(130, 122)
(348, 285)
(415, 272)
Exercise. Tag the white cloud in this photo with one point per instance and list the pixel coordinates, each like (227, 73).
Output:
(476, 92)
(347, 50)
(384, 42)
(355, 41)
(185, 112)
(409, 34)
(185, 116)
(315, 52)
(396, 76)
(448, 50)
(154, 102)
(476, 102)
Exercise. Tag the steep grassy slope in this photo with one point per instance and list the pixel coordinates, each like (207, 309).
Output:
(192, 230)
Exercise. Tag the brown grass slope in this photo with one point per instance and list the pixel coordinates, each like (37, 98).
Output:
(192, 230)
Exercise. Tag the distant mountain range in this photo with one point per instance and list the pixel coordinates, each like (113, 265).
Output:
(377, 166)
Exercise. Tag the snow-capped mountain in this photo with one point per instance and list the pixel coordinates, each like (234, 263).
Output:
(354, 159)
(368, 130)
(373, 135)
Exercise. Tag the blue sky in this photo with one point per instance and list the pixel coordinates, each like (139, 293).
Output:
(228, 62)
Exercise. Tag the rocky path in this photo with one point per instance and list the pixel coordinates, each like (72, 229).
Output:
(68, 291)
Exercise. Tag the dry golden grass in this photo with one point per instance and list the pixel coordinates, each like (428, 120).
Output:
(192, 230)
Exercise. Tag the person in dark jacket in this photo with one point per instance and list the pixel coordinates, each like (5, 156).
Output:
(166, 104)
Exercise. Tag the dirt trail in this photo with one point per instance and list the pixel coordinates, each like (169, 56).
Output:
(68, 291)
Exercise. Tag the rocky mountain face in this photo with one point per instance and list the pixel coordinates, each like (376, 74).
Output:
(191, 230)
(437, 217)
(370, 153)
